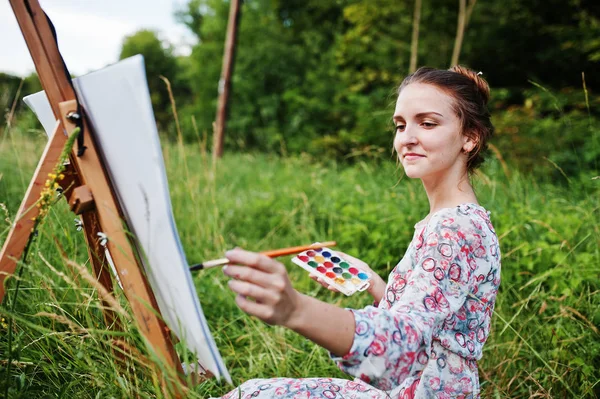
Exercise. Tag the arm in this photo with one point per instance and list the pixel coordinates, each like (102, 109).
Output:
(277, 302)
(326, 325)
(389, 342)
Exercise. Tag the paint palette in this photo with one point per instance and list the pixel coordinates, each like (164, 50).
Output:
(333, 269)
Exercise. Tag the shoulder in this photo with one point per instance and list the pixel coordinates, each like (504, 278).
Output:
(464, 238)
(462, 223)
(470, 216)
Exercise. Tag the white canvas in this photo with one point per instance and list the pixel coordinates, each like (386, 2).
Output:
(117, 103)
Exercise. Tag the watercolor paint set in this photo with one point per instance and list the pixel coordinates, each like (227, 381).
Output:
(333, 269)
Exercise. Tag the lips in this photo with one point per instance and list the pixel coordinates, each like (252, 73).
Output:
(412, 155)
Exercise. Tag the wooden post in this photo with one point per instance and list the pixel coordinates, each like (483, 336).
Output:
(414, 44)
(225, 81)
(464, 14)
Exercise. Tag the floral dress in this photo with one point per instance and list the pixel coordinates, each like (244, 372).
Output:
(424, 338)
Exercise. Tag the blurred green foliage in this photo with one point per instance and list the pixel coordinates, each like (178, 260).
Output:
(12, 89)
(320, 76)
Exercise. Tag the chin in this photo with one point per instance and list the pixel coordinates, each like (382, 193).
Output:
(413, 173)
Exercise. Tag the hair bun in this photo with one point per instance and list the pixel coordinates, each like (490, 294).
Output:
(482, 85)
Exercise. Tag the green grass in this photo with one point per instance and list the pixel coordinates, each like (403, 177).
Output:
(545, 340)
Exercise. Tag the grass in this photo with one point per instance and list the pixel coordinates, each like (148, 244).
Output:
(545, 340)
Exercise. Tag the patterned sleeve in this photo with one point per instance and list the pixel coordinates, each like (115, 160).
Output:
(387, 342)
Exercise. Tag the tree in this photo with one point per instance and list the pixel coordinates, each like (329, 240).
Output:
(547, 41)
(319, 75)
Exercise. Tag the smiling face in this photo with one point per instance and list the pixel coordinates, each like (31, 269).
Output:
(428, 137)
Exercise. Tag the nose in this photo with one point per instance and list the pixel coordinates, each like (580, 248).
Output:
(407, 137)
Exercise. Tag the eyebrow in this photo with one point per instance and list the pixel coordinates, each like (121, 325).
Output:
(419, 115)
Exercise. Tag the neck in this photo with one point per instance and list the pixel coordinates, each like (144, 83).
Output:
(449, 190)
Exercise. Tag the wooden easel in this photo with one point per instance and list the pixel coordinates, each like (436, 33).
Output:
(88, 190)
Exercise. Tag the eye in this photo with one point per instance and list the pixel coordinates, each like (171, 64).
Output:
(399, 128)
(428, 125)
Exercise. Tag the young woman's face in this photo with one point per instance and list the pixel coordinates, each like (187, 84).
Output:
(428, 138)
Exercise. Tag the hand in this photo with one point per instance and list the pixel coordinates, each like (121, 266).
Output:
(356, 262)
(264, 280)
(377, 287)
(276, 302)
(323, 282)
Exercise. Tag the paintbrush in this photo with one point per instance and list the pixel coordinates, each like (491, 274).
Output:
(274, 253)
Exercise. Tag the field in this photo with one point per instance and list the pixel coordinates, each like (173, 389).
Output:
(545, 341)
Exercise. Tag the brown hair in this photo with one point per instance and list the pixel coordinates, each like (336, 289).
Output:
(471, 93)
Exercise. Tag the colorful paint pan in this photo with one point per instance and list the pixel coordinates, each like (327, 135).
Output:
(334, 270)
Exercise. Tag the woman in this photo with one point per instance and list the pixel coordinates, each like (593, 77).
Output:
(426, 331)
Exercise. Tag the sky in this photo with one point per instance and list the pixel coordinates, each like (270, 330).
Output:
(90, 32)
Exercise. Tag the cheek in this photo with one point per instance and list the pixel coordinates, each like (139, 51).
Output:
(441, 145)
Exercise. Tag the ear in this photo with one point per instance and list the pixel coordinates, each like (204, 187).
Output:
(469, 143)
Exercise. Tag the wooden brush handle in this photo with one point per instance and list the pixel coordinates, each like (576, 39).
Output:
(295, 250)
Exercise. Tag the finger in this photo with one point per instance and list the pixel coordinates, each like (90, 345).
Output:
(254, 260)
(263, 312)
(318, 280)
(260, 294)
(250, 275)
(323, 283)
